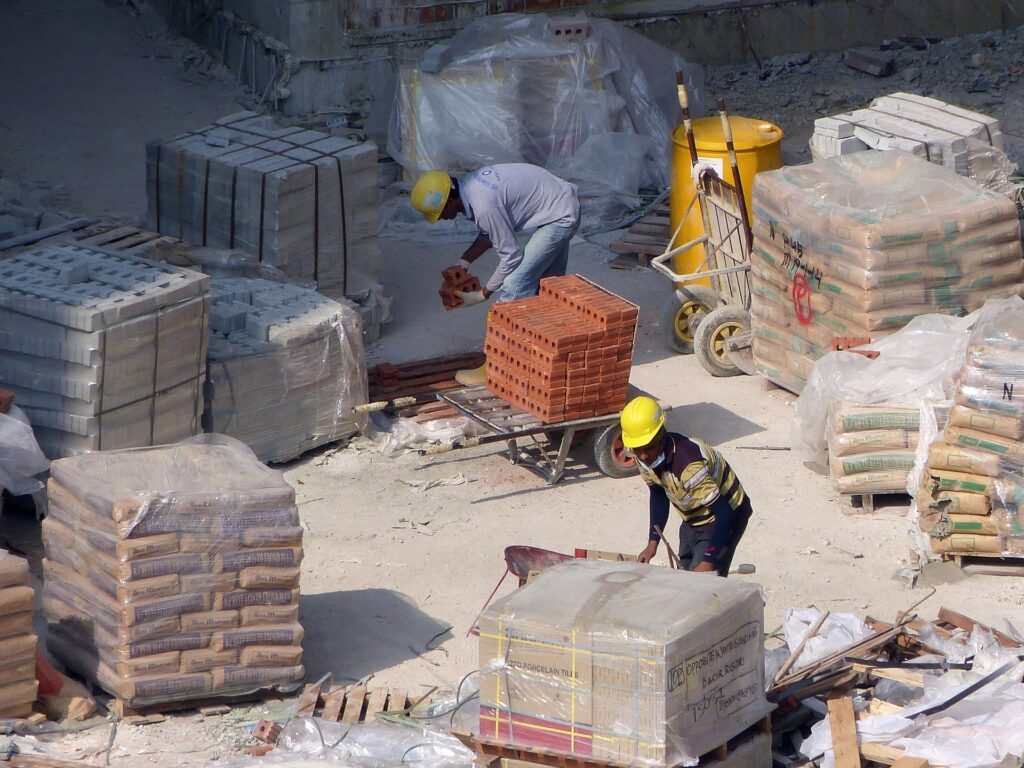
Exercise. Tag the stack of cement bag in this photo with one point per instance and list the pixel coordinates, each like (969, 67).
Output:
(856, 246)
(300, 200)
(871, 448)
(102, 350)
(966, 142)
(285, 367)
(17, 642)
(172, 573)
(973, 481)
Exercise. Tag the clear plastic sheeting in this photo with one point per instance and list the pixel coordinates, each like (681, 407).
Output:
(511, 89)
(20, 456)
(172, 573)
(972, 481)
(839, 631)
(855, 406)
(286, 367)
(857, 246)
(622, 663)
(395, 436)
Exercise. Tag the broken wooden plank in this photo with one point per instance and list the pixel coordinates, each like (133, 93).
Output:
(880, 753)
(217, 709)
(844, 731)
(968, 624)
(354, 705)
(398, 700)
(307, 700)
(911, 762)
(375, 703)
(791, 660)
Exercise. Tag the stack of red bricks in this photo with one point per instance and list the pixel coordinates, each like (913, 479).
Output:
(453, 280)
(564, 354)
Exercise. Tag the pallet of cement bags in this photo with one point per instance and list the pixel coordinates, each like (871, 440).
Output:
(972, 485)
(102, 350)
(17, 641)
(172, 573)
(859, 245)
(300, 200)
(286, 367)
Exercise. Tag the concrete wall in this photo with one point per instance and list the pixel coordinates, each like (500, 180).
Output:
(306, 56)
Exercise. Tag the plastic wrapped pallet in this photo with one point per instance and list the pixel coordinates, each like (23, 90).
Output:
(286, 367)
(102, 350)
(972, 483)
(17, 642)
(172, 573)
(595, 107)
(300, 200)
(622, 663)
(858, 246)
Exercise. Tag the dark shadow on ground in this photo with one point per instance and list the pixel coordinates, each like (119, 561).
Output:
(710, 422)
(354, 633)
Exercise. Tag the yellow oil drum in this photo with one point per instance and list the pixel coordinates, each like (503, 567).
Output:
(758, 147)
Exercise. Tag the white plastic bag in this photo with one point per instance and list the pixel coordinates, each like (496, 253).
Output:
(840, 630)
(20, 455)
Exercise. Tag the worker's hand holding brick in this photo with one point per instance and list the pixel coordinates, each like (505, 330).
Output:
(456, 285)
(469, 298)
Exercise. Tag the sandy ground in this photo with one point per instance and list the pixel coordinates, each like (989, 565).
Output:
(390, 570)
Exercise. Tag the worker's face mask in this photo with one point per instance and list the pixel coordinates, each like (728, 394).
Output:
(654, 464)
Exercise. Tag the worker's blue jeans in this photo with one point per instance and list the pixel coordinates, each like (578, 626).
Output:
(545, 255)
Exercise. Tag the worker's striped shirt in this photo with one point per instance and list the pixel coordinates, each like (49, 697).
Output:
(693, 476)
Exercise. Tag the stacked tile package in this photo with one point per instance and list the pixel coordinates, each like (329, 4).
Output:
(856, 246)
(623, 663)
(300, 200)
(972, 486)
(102, 350)
(172, 573)
(17, 642)
(967, 142)
(286, 367)
(563, 354)
(871, 448)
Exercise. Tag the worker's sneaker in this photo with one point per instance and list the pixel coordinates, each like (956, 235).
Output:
(472, 377)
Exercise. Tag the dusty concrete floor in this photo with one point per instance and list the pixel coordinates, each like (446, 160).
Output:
(389, 569)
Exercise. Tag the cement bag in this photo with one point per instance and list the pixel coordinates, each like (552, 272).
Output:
(886, 481)
(869, 462)
(958, 459)
(870, 441)
(991, 423)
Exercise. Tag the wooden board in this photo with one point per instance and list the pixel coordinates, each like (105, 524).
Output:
(987, 564)
(353, 711)
(333, 703)
(122, 710)
(844, 731)
(397, 700)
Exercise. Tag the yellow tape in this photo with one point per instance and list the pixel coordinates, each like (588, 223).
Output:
(649, 660)
(594, 735)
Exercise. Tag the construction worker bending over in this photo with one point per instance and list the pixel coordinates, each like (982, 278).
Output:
(694, 478)
(503, 200)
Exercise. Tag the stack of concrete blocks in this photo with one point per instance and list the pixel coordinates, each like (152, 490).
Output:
(300, 200)
(17, 642)
(285, 367)
(564, 354)
(102, 350)
(857, 246)
(972, 487)
(966, 142)
(172, 573)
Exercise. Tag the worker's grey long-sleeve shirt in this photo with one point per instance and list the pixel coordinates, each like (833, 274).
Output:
(513, 197)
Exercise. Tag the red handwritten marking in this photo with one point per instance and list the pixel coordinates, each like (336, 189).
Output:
(802, 299)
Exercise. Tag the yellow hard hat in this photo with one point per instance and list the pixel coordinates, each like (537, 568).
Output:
(641, 421)
(430, 193)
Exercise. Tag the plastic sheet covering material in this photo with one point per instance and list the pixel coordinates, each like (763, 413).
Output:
(596, 110)
(172, 573)
(20, 455)
(858, 246)
(972, 482)
(286, 367)
(623, 663)
(839, 631)
(860, 417)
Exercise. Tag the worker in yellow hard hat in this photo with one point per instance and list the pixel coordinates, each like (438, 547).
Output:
(503, 200)
(694, 478)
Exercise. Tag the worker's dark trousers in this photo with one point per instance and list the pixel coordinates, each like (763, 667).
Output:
(693, 542)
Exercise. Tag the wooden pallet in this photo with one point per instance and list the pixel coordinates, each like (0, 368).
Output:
(421, 379)
(357, 704)
(122, 709)
(490, 751)
(984, 563)
(644, 239)
(99, 233)
(867, 503)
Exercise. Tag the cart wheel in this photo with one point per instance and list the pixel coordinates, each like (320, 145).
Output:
(683, 308)
(608, 452)
(712, 334)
